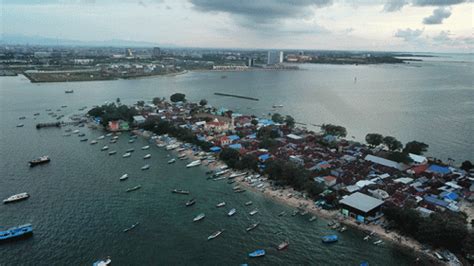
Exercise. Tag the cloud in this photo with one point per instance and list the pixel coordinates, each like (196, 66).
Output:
(438, 2)
(443, 37)
(408, 34)
(394, 5)
(261, 11)
(439, 14)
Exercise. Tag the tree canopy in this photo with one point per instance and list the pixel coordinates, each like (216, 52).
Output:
(416, 147)
(278, 118)
(374, 139)
(392, 143)
(203, 102)
(466, 165)
(338, 131)
(178, 97)
(290, 121)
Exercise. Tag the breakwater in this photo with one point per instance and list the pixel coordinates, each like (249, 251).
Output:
(236, 96)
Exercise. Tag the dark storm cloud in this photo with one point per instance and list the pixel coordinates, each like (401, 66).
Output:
(261, 10)
(438, 16)
(408, 34)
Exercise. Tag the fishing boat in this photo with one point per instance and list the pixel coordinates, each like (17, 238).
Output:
(231, 212)
(220, 204)
(257, 253)
(104, 148)
(277, 106)
(145, 147)
(171, 161)
(16, 232)
(134, 188)
(215, 234)
(252, 213)
(342, 229)
(239, 190)
(181, 156)
(180, 191)
(105, 262)
(22, 117)
(126, 155)
(145, 167)
(378, 242)
(17, 197)
(234, 175)
(282, 214)
(252, 226)
(93, 142)
(131, 140)
(190, 202)
(19, 125)
(312, 219)
(101, 137)
(248, 203)
(41, 160)
(131, 227)
(113, 141)
(81, 134)
(294, 213)
(112, 152)
(148, 156)
(329, 239)
(194, 163)
(130, 150)
(231, 182)
(83, 140)
(283, 245)
(123, 177)
(109, 135)
(69, 91)
(75, 131)
(199, 217)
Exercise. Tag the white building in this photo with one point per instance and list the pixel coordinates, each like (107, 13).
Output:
(274, 57)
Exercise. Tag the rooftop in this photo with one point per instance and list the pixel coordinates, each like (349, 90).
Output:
(361, 202)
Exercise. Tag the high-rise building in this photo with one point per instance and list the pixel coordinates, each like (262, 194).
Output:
(274, 57)
(250, 62)
(128, 52)
(156, 52)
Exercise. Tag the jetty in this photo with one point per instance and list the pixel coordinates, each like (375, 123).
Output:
(236, 96)
(56, 124)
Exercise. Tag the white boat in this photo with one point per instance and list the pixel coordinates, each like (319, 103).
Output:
(194, 163)
(145, 167)
(104, 148)
(17, 197)
(231, 212)
(112, 152)
(220, 204)
(180, 149)
(160, 145)
(172, 147)
(106, 262)
(248, 203)
(145, 147)
(215, 234)
(277, 106)
(75, 131)
(115, 137)
(123, 177)
(252, 226)
(199, 217)
(252, 213)
(234, 175)
(101, 137)
(378, 242)
(131, 140)
(148, 156)
(171, 161)
(109, 135)
(126, 155)
(221, 172)
(93, 142)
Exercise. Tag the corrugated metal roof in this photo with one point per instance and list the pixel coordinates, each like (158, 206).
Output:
(361, 202)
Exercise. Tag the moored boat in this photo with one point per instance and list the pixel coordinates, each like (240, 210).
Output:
(112, 152)
(342, 229)
(180, 191)
(105, 262)
(171, 161)
(190, 202)
(134, 188)
(252, 213)
(126, 155)
(312, 219)
(19, 125)
(252, 226)
(69, 91)
(131, 227)
(16, 232)
(148, 156)
(93, 142)
(329, 239)
(378, 242)
(40, 160)
(283, 245)
(248, 203)
(105, 148)
(199, 217)
(220, 204)
(101, 137)
(145, 167)
(130, 150)
(194, 163)
(231, 212)
(17, 197)
(83, 140)
(123, 177)
(145, 147)
(215, 234)
(282, 214)
(257, 253)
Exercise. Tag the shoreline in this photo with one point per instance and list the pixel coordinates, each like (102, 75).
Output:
(278, 196)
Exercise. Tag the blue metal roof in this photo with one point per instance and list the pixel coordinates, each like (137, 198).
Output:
(233, 137)
(235, 146)
(215, 149)
(439, 169)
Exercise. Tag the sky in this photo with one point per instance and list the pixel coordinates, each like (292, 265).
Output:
(379, 25)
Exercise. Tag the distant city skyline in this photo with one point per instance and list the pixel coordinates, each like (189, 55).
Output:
(392, 25)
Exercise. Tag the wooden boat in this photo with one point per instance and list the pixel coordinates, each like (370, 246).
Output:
(283, 245)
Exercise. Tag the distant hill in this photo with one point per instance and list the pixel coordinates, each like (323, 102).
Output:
(39, 40)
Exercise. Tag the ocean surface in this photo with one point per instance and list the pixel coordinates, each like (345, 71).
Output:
(78, 207)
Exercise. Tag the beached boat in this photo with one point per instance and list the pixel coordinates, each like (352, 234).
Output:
(16, 232)
(248, 203)
(231, 212)
(194, 163)
(130, 150)
(329, 239)
(215, 234)
(145, 167)
(93, 142)
(123, 177)
(252, 226)
(219, 178)
(126, 155)
(17, 197)
(190, 202)
(41, 160)
(257, 253)
(312, 219)
(252, 213)
(234, 175)
(104, 148)
(171, 161)
(231, 182)
(145, 147)
(112, 152)
(180, 191)
(160, 145)
(105, 262)
(220, 204)
(148, 156)
(181, 156)
(283, 245)
(131, 227)
(134, 188)
(199, 217)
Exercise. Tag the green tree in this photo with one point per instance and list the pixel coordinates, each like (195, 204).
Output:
(338, 131)
(278, 118)
(466, 165)
(392, 143)
(229, 156)
(141, 103)
(178, 97)
(156, 100)
(290, 121)
(416, 147)
(374, 139)
(254, 122)
(117, 100)
(203, 102)
(400, 157)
